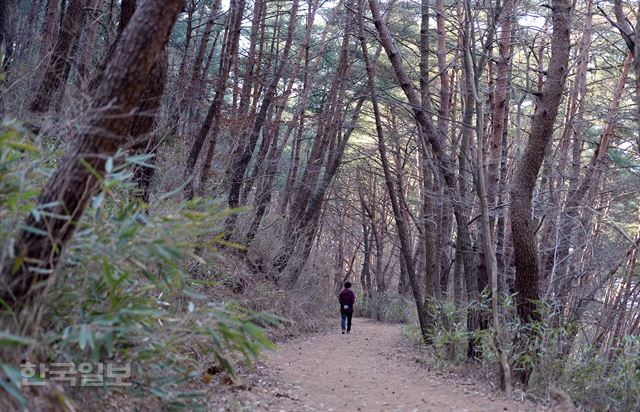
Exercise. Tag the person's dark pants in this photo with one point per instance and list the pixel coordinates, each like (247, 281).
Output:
(345, 320)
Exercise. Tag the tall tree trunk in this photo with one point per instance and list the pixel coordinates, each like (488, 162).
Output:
(53, 77)
(48, 37)
(145, 140)
(88, 47)
(400, 216)
(365, 274)
(523, 183)
(540, 135)
(570, 142)
(471, 276)
(489, 255)
(501, 97)
(428, 236)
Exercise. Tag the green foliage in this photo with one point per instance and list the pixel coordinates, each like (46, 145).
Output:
(622, 159)
(450, 336)
(124, 292)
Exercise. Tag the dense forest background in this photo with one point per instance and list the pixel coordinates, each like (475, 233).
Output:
(177, 178)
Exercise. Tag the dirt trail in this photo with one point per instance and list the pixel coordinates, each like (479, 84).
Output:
(367, 370)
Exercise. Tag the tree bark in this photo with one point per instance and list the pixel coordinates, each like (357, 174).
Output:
(522, 225)
(53, 77)
(88, 48)
(501, 97)
(48, 36)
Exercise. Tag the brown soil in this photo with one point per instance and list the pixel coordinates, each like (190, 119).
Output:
(372, 369)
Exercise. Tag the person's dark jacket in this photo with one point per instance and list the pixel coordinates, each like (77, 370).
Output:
(347, 297)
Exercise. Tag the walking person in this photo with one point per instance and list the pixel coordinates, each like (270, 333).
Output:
(347, 299)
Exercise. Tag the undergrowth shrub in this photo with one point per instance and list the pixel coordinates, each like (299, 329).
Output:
(388, 307)
(594, 381)
(123, 292)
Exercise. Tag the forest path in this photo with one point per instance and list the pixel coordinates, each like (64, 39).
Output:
(368, 370)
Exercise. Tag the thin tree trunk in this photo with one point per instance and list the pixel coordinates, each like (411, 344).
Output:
(127, 7)
(88, 48)
(501, 97)
(485, 223)
(241, 159)
(212, 120)
(197, 76)
(575, 197)
(259, 10)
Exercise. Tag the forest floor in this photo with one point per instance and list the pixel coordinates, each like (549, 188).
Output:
(375, 368)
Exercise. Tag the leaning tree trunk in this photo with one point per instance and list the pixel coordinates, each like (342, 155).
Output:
(104, 130)
(630, 35)
(399, 214)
